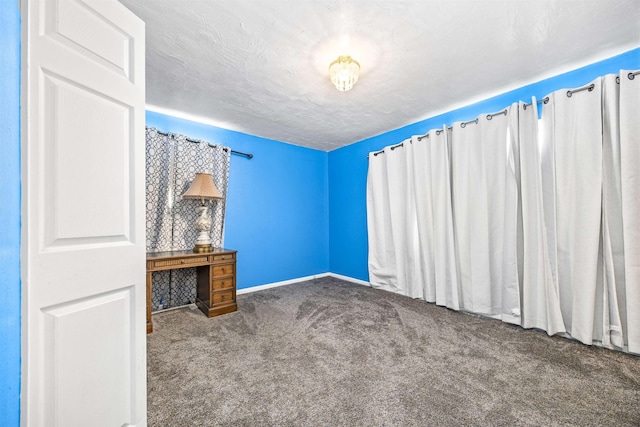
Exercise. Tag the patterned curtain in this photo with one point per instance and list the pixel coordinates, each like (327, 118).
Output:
(172, 162)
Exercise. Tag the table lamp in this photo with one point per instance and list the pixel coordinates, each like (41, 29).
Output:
(203, 188)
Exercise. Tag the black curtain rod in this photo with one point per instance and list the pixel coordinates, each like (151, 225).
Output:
(588, 88)
(240, 153)
(545, 100)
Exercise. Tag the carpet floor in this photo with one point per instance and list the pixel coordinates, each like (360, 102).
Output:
(331, 353)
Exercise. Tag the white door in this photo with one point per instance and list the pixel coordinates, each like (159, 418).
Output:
(83, 256)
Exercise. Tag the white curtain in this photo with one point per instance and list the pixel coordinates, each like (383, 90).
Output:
(447, 234)
(430, 163)
(382, 258)
(630, 188)
(485, 213)
(536, 222)
(574, 133)
(409, 217)
(393, 211)
(540, 299)
(590, 170)
(404, 222)
(612, 232)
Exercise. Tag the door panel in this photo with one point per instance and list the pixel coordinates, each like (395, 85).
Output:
(91, 32)
(83, 260)
(99, 174)
(87, 336)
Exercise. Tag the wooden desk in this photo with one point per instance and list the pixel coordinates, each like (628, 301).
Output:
(215, 276)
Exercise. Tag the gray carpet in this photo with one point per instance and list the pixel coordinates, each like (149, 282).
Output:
(332, 353)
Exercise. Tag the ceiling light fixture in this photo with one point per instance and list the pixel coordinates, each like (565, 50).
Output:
(344, 72)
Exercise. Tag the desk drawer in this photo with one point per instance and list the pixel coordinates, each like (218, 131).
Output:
(222, 297)
(224, 270)
(219, 284)
(224, 257)
(179, 261)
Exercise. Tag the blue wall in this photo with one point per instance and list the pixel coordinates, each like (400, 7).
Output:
(277, 203)
(348, 165)
(10, 214)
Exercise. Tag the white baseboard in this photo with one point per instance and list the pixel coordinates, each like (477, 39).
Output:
(276, 284)
(349, 279)
(297, 280)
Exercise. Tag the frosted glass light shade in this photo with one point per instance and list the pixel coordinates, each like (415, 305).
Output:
(344, 73)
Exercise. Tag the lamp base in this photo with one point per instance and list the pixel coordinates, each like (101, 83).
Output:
(202, 248)
(203, 225)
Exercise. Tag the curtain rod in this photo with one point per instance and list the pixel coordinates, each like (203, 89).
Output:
(545, 100)
(240, 153)
(491, 116)
(439, 131)
(589, 88)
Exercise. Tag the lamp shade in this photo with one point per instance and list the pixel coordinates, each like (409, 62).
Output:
(202, 187)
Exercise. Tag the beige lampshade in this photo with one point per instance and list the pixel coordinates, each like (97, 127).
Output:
(202, 187)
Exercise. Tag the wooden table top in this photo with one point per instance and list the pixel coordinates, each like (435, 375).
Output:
(186, 253)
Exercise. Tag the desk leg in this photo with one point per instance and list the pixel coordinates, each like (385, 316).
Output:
(149, 323)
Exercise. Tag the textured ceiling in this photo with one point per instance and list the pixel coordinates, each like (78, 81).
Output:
(260, 66)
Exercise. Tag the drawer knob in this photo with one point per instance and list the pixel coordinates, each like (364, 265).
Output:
(182, 261)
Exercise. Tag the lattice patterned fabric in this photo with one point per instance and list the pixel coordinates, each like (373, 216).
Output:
(159, 188)
(172, 162)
